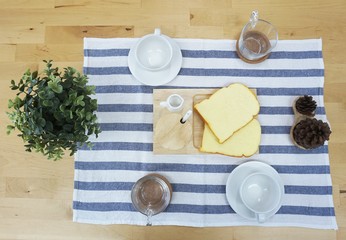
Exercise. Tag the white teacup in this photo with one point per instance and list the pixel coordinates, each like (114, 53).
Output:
(174, 103)
(153, 52)
(260, 193)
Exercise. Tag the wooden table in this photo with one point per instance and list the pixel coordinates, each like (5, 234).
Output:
(36, 194)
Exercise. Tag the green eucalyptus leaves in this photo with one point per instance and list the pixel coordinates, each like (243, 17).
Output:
(53, 111)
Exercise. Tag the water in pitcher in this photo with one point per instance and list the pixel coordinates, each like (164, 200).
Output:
(256, 42)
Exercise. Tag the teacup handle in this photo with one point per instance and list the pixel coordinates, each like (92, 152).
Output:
(261, 218)
(163, 104)
(157, 31)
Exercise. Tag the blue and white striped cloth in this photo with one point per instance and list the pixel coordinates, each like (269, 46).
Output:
(123, 152)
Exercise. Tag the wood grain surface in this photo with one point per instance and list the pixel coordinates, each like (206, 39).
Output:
(36, 194)
(172, 137)
(169, 132)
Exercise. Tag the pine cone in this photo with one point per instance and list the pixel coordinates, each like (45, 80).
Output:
(311, 133)
(306, 105)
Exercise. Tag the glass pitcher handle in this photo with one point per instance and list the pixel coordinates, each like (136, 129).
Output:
(149, 214)
(254, 18)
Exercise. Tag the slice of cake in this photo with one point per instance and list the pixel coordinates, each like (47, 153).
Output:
(228, 110)
(245, 142)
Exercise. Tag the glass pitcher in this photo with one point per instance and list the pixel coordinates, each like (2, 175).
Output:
(257, 40)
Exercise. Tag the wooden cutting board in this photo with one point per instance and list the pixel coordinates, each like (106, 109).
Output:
(171, 136)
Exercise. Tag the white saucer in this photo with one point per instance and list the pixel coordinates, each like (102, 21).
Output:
(156, 78)
(236, 178)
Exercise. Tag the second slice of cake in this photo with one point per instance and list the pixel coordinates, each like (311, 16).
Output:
(243, 143)
(228, 110)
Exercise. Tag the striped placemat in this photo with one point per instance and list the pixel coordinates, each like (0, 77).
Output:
(123, 152)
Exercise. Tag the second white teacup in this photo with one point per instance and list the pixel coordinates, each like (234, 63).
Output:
(261, 193)
(153, 52)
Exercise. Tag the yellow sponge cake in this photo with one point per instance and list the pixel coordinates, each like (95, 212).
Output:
(228, 110)
(244, 142)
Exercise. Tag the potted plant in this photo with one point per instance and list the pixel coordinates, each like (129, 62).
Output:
(53, 111)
